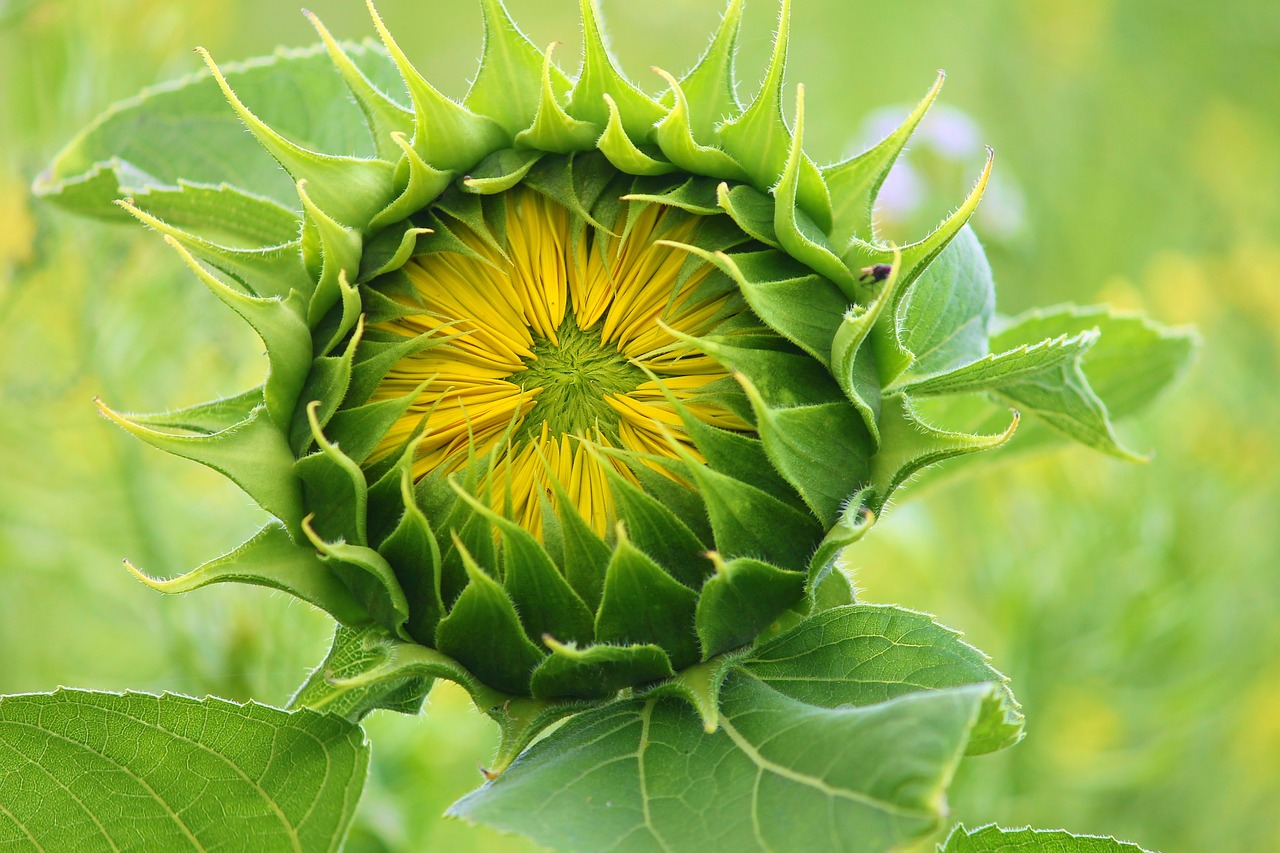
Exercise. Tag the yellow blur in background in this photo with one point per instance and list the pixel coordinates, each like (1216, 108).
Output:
(1134, 606)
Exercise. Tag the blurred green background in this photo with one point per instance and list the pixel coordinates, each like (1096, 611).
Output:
(1134, 607)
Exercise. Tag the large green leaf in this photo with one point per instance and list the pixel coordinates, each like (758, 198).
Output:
(993, 839)
(186, 130)
(831, 737)
(1133, 360)
(643, 775)
(85, 771)
(867, 653)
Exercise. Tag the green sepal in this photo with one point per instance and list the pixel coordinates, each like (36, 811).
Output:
(909, 444)
(274, 272)
(350, 189)
(280, 325)
(681, 499)
(388, 251)
(696, 195)
(359, 429)
(368, 576)
(327, 384)
(231, 219)
(854, 522)
(602, 92)
(739, 456)
(576, 183)
(483, 632)
(747, 521)
(658, 532)
(622, 151)
(823, 451)
(675, 137)
(784, 378)
(422, 183)
(446, 135)
(829, 588)
(553, 129)
(804, 308)
(547, 604)
(206, 418)
(585, 555)
(758, 135)
(853, 364)
(333, 252)
(855, 183)
(710, 84)
(642, 604)
(353, 652)
(374, 357)
(252, 454)
(508, 87)
(742, 599)
(500, 171)
(800, 222)
(752, 210)
(597, 672)
(383, 115)
(472, 530)
(271, 559)
(412, 551)
(335, 487)
(473, 211)
(891, 356)
(144, 142)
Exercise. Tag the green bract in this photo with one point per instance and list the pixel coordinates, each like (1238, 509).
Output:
(823, 344)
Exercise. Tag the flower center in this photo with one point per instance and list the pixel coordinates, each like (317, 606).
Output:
(550, 341)
(573, 377)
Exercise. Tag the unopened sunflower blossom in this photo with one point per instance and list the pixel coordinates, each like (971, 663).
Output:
(572, 389)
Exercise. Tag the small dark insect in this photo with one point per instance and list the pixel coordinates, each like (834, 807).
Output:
(875, 272)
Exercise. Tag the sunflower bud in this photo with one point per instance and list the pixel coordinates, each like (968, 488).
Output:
(573, 389)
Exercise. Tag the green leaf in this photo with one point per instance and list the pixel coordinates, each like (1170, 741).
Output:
(1062, 398)
(597, 672)
(81, 770)
(993, 839)
(354, 652)
(1132, 362)
(949, 310)
(867, 653)
(185, 130)
(642, 774)
(1023, 364)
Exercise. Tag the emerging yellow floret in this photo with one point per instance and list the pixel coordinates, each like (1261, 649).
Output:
(557, 344)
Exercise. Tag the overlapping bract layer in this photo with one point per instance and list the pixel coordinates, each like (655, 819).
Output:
(719, 537)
